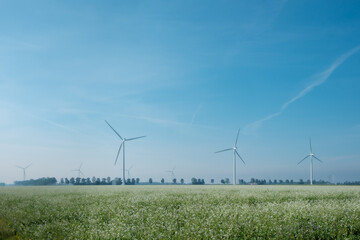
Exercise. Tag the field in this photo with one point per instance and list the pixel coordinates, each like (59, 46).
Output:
(181, 212)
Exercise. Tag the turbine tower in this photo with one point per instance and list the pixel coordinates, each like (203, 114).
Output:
(234, 148)
(24, 169)
(79, 171)
(172, 172)
(311, 155)
(122, 145)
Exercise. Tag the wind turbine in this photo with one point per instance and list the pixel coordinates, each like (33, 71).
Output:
(234, 148)
(128, 171)
(24, 169)
(311, 155)
(122, 145)
(79, 171)
(172, 172)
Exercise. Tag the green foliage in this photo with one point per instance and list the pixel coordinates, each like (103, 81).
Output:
(182, 212)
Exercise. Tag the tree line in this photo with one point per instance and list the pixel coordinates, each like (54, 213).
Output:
(194, 181)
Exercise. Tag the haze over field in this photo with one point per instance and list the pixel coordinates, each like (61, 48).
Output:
(187, 74)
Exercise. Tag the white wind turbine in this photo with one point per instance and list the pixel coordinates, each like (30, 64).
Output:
(79, 171)
(128, 171)
(172, 172)
(122, 145)
(24, 169)
(311, 155)
(234, 148)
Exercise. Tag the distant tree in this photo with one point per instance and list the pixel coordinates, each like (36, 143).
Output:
(137, 180)
(103, 181)
(202, 181)
(67, 181)
(275, 181)
(193, 180)
(93, 180)
(212, 181)
(61, 181)
(182, 181)
(88, 181)
(150, 180)
(222, 181)
(77, 180)
(301, 181)
(97, 182)
(281, 181)
(72, 180)
(270, 182)
(162, 180)
(108, 180)
(291, 181)
(252, 180)
(287, 181)
(174, 181)
(241, 181)
(83, 181)
(227, 180)
(133, 181)
(308, 181)
(118, 181)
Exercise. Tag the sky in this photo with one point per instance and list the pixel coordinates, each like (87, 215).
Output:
(188, 75)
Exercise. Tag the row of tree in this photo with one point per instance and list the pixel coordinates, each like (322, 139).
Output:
(37, 182)
(134, 181)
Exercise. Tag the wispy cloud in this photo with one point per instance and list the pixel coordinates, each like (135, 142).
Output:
(319, 79)
(55, 124)
(196, 113)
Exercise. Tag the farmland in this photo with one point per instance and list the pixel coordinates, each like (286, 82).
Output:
(182, 212)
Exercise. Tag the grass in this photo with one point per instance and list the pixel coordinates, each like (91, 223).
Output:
(6, 232)
(182, 212)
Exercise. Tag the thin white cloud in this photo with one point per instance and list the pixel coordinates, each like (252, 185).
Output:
(196, 113)
(319, 79)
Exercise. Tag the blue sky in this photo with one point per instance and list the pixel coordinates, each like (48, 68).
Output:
(187, 74)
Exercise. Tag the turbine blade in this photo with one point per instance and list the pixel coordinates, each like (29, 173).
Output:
(82, 173)
(80, 166)
(28, 165)
(224, 150)
(310, 144)
(114, 130)
(304, 159)
(237, 136)
(19, 167)
(240, 156)
(118, 153)
(134, 138)
(317, 159)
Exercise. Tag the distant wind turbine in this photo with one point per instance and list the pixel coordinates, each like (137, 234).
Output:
(128, 171)
(122, 145)
(24, 169)
(234, 148)
(311, 155)
(172, 172)
(79, 171)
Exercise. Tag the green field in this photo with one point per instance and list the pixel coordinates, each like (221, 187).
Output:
(181, 212)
